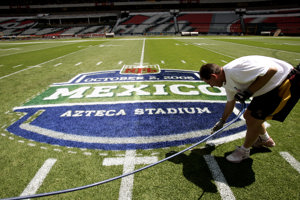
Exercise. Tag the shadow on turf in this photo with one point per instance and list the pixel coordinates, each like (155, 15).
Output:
(196, 170)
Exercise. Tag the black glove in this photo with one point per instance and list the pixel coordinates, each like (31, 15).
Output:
(218, 126)
(298, 67)
(243, 96)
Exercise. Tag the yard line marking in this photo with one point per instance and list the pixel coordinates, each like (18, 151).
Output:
(222, 185)
(38, 65)
(39, 177)
(128, 162)
(224, 61)
(204, 61)
(291, 160)
(183, 61)
(120, 62)
(214, 51)
(264, 48)
(26, 51)
(163, 62)
(17, 66)
(99, 63)
(142, 54)
(78, 63)
(57, 64)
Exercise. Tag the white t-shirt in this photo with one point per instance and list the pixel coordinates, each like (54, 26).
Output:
(241, 72)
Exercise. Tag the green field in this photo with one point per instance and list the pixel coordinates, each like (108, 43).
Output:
(29, 68)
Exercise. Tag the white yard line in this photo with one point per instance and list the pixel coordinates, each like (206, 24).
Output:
(19, 52)
(142, 54)
(99, 63)
(126, 187)
(17, 66)
(213, 51)
(222, 185)
(291, 160)
(39, 177)
(30, 67)
(128, 162)
(263, 48)
(57, 64)
(78, 63)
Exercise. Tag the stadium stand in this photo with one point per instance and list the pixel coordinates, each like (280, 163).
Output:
(146, 23)
(92, 18)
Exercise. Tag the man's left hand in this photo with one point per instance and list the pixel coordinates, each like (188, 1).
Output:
(243, 96)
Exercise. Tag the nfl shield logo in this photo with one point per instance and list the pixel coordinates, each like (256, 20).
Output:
(140, 70)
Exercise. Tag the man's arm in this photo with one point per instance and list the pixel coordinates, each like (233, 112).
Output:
(262, 80)
(259, 82)
(228, 110)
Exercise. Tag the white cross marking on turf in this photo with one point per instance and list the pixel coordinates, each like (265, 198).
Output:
(128, 162)
(39, 177)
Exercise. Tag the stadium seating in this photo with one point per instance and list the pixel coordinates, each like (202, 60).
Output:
(158, 23)
(146, 23)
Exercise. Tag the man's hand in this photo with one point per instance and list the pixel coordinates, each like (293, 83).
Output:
(243, 96)
(218, 126)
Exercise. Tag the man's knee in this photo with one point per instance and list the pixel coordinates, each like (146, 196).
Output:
(250, 120)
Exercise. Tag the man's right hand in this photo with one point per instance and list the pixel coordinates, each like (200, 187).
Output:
(218, 126)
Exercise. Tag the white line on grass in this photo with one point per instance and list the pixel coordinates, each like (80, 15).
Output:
(57, 64)
(38, 65)
(214, 51)
(128, 162)
(39, 177)
(32, 50)
(264, 48)
(203, 61)
(224, 189)
(183, 61)
(142, 54)
(291, 160)
(99, 63)
(78, 63)
(17, 66)
(120, 62)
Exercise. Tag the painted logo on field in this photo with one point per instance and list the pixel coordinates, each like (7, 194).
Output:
(138, 69)
(134, 108)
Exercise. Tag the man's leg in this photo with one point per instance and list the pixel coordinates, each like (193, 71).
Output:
(255, 127)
